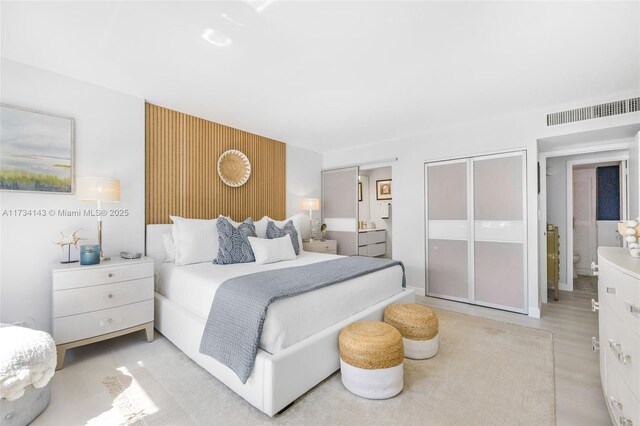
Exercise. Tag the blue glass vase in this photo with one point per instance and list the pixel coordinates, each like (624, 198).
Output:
(89, 254)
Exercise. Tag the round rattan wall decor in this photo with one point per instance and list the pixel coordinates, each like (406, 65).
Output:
(234, 168)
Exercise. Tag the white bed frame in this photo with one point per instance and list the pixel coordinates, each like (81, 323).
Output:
(276, 380)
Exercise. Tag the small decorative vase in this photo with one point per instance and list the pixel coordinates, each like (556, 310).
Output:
(90, 254)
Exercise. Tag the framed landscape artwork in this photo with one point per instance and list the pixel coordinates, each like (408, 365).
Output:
(36, 151)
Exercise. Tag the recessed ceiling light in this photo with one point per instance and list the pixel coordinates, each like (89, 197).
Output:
(216, 37)
(233, 21)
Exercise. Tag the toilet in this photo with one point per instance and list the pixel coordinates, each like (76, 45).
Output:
(576, 259)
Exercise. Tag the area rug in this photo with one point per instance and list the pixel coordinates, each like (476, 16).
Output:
(486, 373)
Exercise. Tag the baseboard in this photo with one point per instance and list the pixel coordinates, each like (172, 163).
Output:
(564, 287)
(419, 291)
(534, 312)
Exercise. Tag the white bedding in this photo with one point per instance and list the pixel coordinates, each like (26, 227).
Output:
(289, 320)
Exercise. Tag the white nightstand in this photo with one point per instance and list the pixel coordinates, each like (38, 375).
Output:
(317, 246)
(98, 302)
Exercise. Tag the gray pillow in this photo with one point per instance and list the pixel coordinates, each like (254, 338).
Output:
(233, 243)
(288, 229)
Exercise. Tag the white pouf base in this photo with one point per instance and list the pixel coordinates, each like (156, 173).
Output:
(382, 383)
(421, 349)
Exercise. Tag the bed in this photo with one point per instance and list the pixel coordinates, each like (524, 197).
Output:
(298, 348)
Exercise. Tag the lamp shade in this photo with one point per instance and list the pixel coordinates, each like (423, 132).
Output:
(98, 189)
(311, 204)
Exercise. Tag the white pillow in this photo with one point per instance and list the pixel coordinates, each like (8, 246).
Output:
(169, 247)
(195, 240)
(280, 223)
(271, 251)
(261, 227)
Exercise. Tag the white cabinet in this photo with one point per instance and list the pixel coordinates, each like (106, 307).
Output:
(619, 325)
(372, 243)
(97, 302)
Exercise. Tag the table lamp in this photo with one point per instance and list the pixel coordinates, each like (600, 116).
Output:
(101, 190)
(311, 204)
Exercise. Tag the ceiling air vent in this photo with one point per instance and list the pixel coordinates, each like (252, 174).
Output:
(594, 111)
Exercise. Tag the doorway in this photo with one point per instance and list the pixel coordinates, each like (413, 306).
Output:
(583, 195)
(596, 202)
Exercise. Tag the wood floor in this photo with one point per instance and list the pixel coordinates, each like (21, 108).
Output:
(579, 398)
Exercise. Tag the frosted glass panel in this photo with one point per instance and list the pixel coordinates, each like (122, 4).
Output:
(448, 268)
(340, 208)
(499, 274)
(447, 189)
(498, 188)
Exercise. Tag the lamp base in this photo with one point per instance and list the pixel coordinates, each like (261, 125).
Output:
(104, 258)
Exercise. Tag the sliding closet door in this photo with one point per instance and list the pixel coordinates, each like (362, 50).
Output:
(500, 231)
(340, 208)
(448, 229)
(476, 230)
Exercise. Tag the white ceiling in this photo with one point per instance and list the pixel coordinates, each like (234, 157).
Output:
(329, 75)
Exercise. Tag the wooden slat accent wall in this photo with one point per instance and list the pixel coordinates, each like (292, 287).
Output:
(181, 175)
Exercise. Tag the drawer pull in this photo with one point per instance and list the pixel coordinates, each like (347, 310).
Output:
(110, 296)
(633, 309)
(595, 345)
(595, 306)
(616, 348)
(615, 404)
(110, 321)
(611, 290)
(110, 274)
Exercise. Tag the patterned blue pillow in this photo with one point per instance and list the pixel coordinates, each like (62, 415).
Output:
(233, 243)
(288, 229)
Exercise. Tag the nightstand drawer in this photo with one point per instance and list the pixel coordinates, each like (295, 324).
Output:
(88, 299)
(320, 246)
(101, 275)
(83, 326)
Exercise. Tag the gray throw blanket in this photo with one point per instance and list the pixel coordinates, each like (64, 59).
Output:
(234, 327)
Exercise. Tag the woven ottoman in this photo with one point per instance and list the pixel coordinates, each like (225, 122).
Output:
(371, 355)
(418, 326)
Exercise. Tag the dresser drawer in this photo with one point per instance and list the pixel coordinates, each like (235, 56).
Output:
(621, 401)
(623, 347)
(621, 293)
(88, 299)
(63, 280)
(91, 324)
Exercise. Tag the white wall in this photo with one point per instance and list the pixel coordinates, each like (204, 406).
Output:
(109, 141)
(303, 181)
(504, 133)
(557, 199)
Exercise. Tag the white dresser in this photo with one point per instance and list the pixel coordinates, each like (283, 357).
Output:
(97, 302)
(619, 324)
(372, 242)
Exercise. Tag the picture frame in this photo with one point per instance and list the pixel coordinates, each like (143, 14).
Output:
(383, 189)
(359, 191)
(37, 151)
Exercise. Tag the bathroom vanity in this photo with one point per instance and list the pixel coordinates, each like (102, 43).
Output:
(372, 242)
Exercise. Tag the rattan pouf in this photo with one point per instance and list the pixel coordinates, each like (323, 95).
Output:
(371, 356)
(418, 326)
